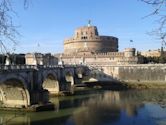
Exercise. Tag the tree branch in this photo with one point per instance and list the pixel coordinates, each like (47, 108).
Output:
(159, 11)
(8, 31)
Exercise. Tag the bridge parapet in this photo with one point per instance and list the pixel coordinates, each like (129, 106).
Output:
(49, 66)
(24, 67)
(16, 67)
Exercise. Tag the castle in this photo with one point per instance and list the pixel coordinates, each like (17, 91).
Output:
(88, 47)
(87, 39)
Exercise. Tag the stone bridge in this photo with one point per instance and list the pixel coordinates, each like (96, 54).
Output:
(23, 86)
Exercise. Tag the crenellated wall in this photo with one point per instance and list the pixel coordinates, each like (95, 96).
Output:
(111, 58)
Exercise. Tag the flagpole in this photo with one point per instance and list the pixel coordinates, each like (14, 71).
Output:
(38, 47)
(131, 41)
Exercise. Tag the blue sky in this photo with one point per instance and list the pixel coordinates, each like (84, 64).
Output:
(49, 22)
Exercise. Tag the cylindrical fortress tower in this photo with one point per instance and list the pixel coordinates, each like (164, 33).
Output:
(129, 52)
(87, 39)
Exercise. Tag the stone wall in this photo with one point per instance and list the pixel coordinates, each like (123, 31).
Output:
(40, 59)
(111, 58)
(137, 73)
(93, 45)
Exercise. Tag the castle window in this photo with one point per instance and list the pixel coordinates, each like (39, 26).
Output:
(84, 37)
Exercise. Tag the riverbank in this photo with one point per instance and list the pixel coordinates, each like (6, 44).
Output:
(33, 108)
(143, 85)
(122, 85)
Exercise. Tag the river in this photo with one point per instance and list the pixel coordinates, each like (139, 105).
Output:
(97, 107)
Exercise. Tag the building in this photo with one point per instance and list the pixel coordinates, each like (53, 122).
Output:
(110, 58)
(40, 59)
(151, 53)
(87, 38)
(88, 47)
(14, 59)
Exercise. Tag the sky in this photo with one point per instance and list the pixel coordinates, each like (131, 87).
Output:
(46, 23)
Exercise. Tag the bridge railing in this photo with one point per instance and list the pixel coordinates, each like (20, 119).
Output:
(24, 67)
(19, 67)
(16, 67)
(49, 66)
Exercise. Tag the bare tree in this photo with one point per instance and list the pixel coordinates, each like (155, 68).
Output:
(159, 11)
(8, 31)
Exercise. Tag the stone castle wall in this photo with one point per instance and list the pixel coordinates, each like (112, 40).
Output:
(110, 58)
(142, 73)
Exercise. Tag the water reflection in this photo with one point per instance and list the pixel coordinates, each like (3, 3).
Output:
(7, 118)
(105, 109)
(99, 108)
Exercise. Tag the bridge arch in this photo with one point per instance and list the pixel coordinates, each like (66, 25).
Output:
(79, 72)
(14, 92)
(51, 83)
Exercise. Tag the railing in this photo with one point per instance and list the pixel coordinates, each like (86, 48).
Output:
(49, 66)
(26, 67)
(17, 67)
(90, 66)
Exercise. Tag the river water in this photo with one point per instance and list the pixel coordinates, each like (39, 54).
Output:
(98, 107)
